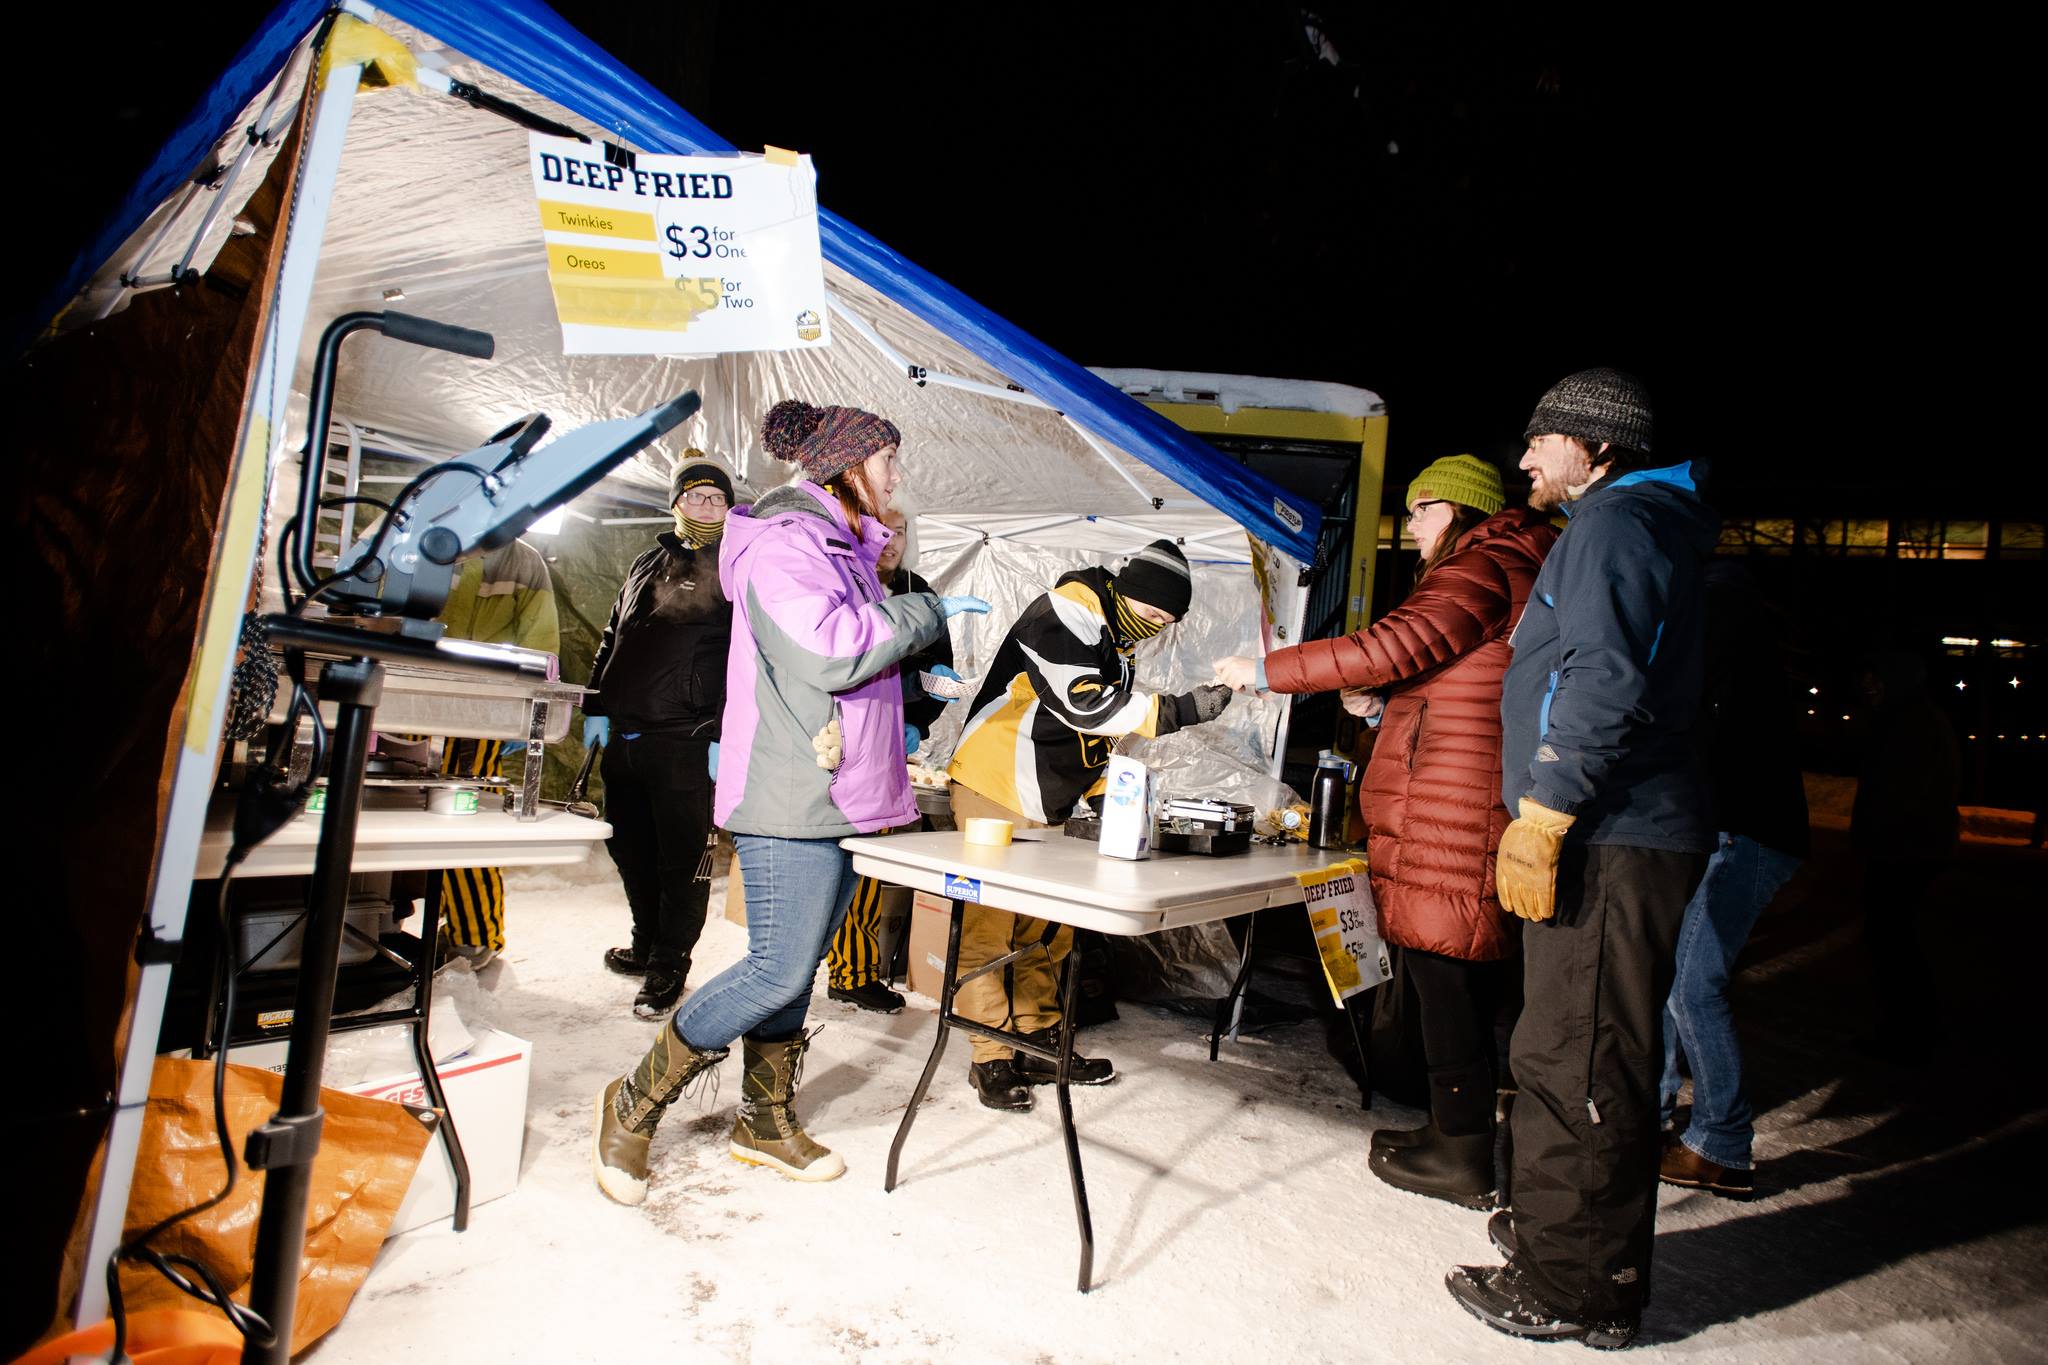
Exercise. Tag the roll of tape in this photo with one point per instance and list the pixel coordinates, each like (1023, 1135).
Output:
(995, 833)
(452, 800)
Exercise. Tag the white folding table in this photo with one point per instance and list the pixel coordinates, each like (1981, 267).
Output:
(1046, 875)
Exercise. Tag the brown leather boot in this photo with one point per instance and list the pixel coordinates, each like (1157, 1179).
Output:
(632, 1105)
(1684, 1167)
(767, 1132)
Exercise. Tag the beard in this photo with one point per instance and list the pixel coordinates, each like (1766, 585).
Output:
(1544, 496)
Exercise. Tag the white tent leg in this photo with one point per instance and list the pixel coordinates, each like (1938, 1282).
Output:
(262, 443)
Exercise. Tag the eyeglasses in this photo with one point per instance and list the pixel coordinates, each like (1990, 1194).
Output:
(1426, 502)
(704, 500)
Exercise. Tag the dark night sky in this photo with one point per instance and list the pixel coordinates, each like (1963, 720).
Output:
(1802, 236)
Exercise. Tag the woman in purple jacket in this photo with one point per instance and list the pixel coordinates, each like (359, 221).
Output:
(811, 751)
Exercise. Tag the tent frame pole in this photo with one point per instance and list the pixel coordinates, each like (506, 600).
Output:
(263, 427)
(1290, 612)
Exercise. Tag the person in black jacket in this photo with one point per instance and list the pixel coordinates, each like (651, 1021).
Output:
(1752, 744)
(1599, 758)
(854, 966)
(660, 680)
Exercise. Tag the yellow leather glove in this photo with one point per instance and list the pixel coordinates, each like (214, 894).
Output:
(1525, 870)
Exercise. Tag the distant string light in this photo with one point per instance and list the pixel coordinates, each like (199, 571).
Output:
(1960, 684)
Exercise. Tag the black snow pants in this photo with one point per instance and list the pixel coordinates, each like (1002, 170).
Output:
(657, 796)
(1587, 1055)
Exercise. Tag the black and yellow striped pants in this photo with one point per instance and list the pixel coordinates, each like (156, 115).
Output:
(472, 899)
(856, 955)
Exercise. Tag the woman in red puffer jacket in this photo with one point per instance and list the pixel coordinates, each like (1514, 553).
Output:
(1431, 797)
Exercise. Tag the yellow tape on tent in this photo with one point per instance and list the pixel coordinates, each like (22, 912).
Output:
(351, 42)
(222, 634)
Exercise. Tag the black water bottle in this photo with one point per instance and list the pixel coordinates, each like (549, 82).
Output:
(1326, 802)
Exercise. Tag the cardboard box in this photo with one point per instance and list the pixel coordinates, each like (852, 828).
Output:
(931, 918)
(486, 1088)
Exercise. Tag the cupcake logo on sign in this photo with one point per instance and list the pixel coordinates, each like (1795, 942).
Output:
(808, 327)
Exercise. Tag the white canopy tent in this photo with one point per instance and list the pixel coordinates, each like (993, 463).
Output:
(1022, 464)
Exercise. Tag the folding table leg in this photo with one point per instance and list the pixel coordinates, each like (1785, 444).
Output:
(1226, 1011)
(423, 1054)
(1358, 1007)
(931, 1065)
(1073, 1141)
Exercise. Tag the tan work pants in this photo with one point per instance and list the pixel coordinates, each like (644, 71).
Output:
(1025, 996)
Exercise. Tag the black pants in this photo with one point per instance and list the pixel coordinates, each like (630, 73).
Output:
(1458, 1002)
(1588, 1055)
(657, 796)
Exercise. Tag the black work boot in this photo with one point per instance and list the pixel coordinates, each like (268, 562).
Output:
(632, 1105)
(872, 996)
(767, 1132)
(1458, 1170)
(1080, 1070)
(1502, 1298)
(626, 961)
(660, 989)
(999, 1085)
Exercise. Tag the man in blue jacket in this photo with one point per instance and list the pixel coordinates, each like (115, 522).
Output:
(1600, 761)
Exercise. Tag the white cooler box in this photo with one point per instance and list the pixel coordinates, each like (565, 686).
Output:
(486, 1088)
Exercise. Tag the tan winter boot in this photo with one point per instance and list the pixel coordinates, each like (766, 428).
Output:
(767, 1132)
(632, 1105)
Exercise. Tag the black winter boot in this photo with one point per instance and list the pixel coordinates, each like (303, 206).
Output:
(999, 1085)
(1080, 1070)
(660, 988)
(1458, 1170)
(767, 1132)
(626, 961)
(1502, 1298)
(632, 1105)
(1500, 1230)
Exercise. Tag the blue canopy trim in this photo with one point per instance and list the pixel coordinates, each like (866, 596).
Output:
(536, 47)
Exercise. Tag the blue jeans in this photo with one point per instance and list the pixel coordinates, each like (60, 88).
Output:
(797, 893)
(1741, 878)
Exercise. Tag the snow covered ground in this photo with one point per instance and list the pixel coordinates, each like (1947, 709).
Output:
(1234, 1216)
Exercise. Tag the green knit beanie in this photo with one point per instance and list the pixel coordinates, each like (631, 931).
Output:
(1465, 479)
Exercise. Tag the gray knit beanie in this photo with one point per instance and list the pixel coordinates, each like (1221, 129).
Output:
(1595, 406)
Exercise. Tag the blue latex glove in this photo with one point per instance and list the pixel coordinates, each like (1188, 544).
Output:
(949, 607)
(511, 747)
(940, 671)
(596, 730)
(912, 737)
(711, 760)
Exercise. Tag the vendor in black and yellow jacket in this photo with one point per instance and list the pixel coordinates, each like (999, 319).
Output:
(1061, 691)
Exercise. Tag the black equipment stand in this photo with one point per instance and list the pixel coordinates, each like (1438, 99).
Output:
(283, 1148)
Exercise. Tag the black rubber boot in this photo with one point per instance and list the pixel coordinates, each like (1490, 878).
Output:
(1388, 1139)
(999, 1085)
(1458, 1170)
